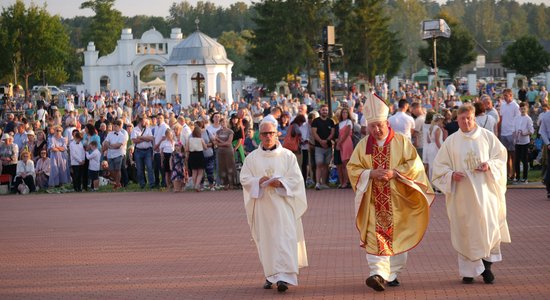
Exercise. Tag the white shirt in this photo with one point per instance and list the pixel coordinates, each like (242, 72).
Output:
(41, 115)
(166, 146)
(525, 125)
(305, 130)
(493, 113)
(94, 160)
(185, 134)
(487, 122)
(418, 128)
(270, 118)
(68, 134)
(212, 130)
(195, 144)
(69, 106)
(114, 138)
(451, 89)
(77, 153)
(137, 132)
(508, 112)
(402, 123)
(23, 167)
(160, 131)
(345, 123)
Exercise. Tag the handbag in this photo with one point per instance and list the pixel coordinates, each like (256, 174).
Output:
(292, 143)
(208, 152)
(23, 188)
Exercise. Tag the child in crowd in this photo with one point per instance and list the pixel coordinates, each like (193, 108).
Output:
(523, 128)
(94, 157)
(78, 156)
(249, 142)
(177, 165)
(166, 148)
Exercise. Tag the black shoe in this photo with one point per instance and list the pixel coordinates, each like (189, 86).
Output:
(488, 276)
(467, 280)
(267, 284)
(376, 282)
(282, 286)
(394, 282)
(548, 195)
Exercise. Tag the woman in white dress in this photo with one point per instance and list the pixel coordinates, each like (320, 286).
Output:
(425, 138)
(435, 137)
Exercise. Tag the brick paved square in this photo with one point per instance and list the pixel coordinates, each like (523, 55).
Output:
(197, 246)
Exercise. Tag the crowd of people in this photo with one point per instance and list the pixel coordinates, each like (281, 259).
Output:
(118, 138)
(395, 154)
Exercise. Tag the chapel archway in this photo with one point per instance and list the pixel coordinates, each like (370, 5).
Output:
(221, 85)
(104, 83)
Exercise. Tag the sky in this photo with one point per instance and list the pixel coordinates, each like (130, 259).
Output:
(70, 8)
(129, 8)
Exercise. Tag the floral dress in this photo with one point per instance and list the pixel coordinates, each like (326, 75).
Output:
(178, 166)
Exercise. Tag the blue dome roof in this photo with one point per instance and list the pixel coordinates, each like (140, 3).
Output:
(198, 49)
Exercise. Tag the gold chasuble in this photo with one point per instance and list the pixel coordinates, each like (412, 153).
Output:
(391, 216)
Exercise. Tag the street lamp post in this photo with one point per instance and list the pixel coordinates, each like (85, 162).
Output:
(432, 29)
(326, 51)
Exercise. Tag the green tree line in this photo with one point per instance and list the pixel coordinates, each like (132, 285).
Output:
(272, 38)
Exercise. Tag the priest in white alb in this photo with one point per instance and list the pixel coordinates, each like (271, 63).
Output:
(392, 196)
(275, 200)
(470, 169)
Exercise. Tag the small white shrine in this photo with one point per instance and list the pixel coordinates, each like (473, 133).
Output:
(195, 68)
(198, 68)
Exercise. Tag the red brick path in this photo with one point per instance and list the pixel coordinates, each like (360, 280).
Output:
(198, 246)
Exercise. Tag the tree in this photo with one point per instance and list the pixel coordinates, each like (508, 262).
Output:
(479, 20)
(285, 34)
(32, 42)
(513, 20)
(371, 47)
(452, 53)
(141, 23)
(526, 56)
(213, 19)
(541, 22)
(106, 25)
(406, 20)
(236, 45)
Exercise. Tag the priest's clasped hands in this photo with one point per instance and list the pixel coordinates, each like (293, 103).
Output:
(482, 167)
(383, 174)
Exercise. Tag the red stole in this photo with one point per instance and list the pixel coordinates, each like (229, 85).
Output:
(381, 195)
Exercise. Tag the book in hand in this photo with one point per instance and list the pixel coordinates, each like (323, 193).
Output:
(270, 180)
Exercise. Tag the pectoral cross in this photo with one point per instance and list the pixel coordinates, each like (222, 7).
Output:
(269, 172)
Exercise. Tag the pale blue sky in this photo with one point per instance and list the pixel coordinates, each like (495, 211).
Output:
(70, 8)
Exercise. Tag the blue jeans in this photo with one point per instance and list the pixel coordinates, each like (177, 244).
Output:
(210, 165)
(144, 158)
(158, 170)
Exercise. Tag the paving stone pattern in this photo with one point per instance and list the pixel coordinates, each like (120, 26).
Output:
(197, 246)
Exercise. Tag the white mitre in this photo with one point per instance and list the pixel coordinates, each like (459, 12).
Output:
(375, 109)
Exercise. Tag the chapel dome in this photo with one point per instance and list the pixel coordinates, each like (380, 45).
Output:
(198, 49)
(152, 36)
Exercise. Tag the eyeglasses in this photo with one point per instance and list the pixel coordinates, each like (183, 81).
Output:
(268, 133)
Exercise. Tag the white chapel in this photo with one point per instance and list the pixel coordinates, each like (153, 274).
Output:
(195, 67)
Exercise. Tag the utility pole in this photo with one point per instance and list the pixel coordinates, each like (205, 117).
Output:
(328, 41)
